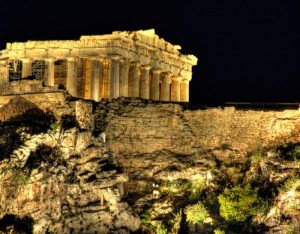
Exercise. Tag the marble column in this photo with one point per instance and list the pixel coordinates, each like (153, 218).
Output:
(145, 82)
(134, 81)
(50, 72)
(184, 90)
(155, 79)
(26, 67)
(72, 77)
(101, 79)
(4, 72)
(175, 89)
(95, 80)
(105, 77)
(124, 73)
(165, 87)
(114, 77)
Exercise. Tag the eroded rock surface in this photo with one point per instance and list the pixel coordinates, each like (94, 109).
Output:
(158, 159)
(64, 178)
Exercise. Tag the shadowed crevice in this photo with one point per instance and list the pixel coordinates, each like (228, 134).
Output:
(13, 224)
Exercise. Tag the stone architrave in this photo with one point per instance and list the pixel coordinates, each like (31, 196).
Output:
(165, 87)
(175, 89)
(145, 82)
(95, 80)
(50, 72)
(124, 73)
(155, 79)
(72, 77)
(4, 75)
(26, 67)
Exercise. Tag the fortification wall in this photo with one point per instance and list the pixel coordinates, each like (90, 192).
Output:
(145, 128)
(242, 130)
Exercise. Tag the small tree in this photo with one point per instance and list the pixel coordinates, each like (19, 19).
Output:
(240, 203)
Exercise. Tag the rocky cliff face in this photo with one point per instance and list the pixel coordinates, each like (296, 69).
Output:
(58, 175)
(170, 153)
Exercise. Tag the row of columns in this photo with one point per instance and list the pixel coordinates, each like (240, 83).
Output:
(135, 80)
(124, 79)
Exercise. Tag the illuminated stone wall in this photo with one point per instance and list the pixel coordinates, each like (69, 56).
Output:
(140, 128)
(128, 64)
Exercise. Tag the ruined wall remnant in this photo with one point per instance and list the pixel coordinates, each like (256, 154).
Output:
(140, 127)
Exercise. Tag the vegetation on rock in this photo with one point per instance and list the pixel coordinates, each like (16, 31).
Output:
(238, 204)
(196, 214)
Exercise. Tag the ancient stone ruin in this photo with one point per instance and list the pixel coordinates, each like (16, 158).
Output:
(128, 64)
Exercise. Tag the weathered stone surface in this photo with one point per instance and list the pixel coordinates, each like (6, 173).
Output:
(52, 103)
(138, 127)
(84, 115)
(64, 187)
(80, 186)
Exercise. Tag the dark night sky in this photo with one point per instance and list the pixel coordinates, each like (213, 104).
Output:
(247, 50)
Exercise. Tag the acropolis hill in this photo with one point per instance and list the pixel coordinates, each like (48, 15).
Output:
(127, 154)
(121, 64)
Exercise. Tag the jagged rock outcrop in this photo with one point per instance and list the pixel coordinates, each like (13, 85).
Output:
(65, 179)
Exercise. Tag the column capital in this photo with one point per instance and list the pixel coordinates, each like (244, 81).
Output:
(146, 67)
(101, 59)
(94, 58)
(26, 60)
(71, 59)
(49, 59)
(157, 70)
(185, 80)
(116, 57)
(124, 61)
(135, 64)
(167, 77)
(176, 78)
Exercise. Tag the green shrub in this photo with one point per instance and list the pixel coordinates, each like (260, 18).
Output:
(257, 156)
(175, 186)
(196, 188)
(198, 182)
(145, 217)
(161, 229)
(20, 177)
(219, 231)
(54, 127)
(240, 203)
(196, 214)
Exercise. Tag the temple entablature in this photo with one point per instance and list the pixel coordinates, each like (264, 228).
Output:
(103, 66)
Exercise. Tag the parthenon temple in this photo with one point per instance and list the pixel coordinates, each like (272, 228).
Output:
(129, 64)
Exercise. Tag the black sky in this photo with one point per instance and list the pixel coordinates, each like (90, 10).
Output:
(247, 50)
